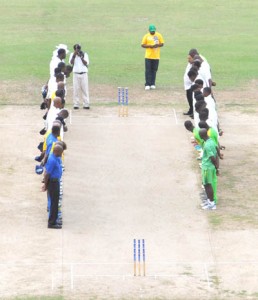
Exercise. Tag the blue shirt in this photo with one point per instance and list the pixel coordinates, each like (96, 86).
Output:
(54, 166)
(50, 140)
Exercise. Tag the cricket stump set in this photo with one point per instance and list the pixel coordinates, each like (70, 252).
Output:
(141, 269)
(123, 101)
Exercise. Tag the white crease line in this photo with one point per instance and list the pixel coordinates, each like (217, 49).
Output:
(207, 275)
(175, 116)
(70, 117)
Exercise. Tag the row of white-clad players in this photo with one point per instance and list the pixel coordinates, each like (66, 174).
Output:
(198, 85)
(59, 71)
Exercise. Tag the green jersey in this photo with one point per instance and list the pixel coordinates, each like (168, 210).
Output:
(212, 133)
(209, 150)
(196, 135)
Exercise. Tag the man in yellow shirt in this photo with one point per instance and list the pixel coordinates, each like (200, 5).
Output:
(152, 42)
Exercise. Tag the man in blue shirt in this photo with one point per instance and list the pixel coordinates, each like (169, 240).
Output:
(52, 184)
(51, 138)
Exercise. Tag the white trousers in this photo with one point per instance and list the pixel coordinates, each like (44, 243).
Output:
(81, 88)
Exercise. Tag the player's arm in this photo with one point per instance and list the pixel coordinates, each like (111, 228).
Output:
(158, 45)
(144, 43)
(220, 155)
(214, 160)
(147, 46)
(72, 57)
(46, 179)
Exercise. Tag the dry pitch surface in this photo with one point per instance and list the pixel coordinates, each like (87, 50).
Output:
(128, 178)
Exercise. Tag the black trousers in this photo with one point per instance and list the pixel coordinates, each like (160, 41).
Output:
(189, 96)
(151, 68)
(53, 191)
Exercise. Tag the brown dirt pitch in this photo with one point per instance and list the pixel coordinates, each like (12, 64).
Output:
(125, 179)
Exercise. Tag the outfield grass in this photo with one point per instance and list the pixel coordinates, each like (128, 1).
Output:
(111, 32)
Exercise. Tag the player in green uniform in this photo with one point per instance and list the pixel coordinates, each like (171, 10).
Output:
(209, 169)
(190, 127)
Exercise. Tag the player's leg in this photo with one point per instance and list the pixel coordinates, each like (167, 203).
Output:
(85, 90)
(154, 69)
(147, 73)
(76, 90)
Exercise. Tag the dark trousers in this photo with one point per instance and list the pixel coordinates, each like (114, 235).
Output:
(189, 96)
(53, 191)
(151, 68)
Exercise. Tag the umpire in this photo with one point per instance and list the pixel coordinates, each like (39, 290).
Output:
(52, 184)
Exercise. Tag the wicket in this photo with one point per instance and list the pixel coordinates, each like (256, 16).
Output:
(123, 101)
(139, 257)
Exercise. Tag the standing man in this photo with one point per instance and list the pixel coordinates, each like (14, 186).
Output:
(52, 184)
(187, 85)
(80, 62)
(152, 42)
(56, 59)
(209, 170)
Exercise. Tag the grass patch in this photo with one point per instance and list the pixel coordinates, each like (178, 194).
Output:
(31, 29)
(215, 281)
(215, 220)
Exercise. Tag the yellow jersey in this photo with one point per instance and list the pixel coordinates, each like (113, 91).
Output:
(149, 39)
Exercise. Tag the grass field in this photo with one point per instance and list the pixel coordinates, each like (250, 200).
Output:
(111, 33)
(225, 32)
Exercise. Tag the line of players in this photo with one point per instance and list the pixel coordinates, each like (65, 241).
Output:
(51, 156)
(205, 127)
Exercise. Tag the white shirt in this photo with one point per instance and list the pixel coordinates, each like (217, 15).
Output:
(78, 66)
(52, 86)
(210, 102)
(199, 76)
(212, 118)
(187, 82)
(53, 64)
(205, 72)
(51, 116)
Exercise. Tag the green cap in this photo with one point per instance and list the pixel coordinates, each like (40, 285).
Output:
(152, 28)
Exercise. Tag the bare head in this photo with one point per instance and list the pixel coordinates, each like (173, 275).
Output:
(63, 113)
(193, 52)
(62, 144)
(57, 102)
(204, 114)
(60, 85)
(192, 74)
(200, 105)
(189, 126)
(57, 123)
(203, 124)
(61, 53)
(56, 130)
(206, 91)
(58, 150)
(203, 134)
(197, 57)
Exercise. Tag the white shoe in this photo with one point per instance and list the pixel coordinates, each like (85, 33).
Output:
(153, 87)
(204, 203)
(210, 206)
(147, 87)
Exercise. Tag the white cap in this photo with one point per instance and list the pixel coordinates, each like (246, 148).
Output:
(62, 46)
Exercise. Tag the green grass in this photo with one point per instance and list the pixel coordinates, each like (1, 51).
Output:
(111, 32)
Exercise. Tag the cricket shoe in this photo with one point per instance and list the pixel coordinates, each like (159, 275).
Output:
(153, 87)
(147, 88)
(211, 205)
(204, 203)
